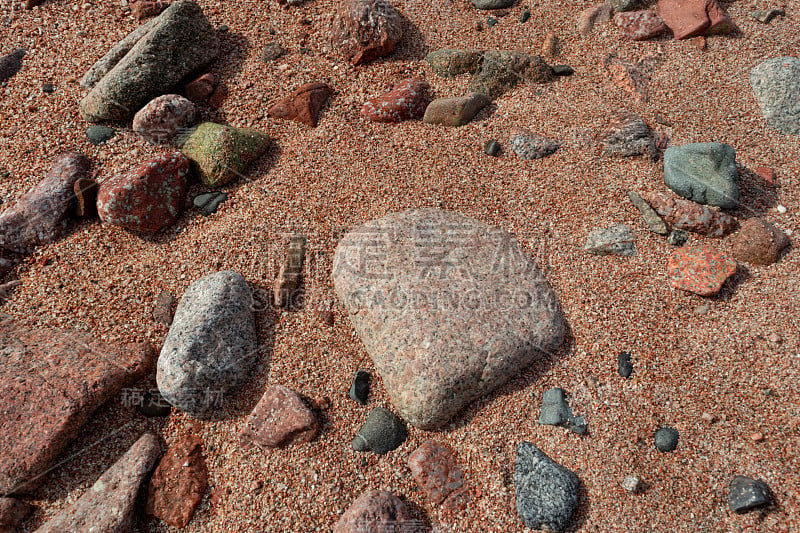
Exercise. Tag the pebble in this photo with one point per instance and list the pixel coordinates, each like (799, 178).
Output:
(687, 215)
(776, 84)
(48, 88)
(759, 242)
(618, 239)
(11, 64)
(666, 439)
(451, 62)
(677, 237)
(165, 119)
(592, 16)
(209, 202)
(178, 483)
(563, 70)
(99, 134)
(531, 146)
(689, 18)
(359, 389)
(524, 16)
(163, 308)
(492, 148)
(378, 511)
(650, 216)
(765, 16)
(492, 4)
(407, 100)
(705, 173)
(640, 25)
(456, 111)
(272, 51)
(434, 468)
(627, 135)
(624, 364)
(546, 492)
(632, 484)
(781, 209)
(701, 270)
(304, 105)
(280, 419)
(491, 21)
(363, 30)
(382, 432)
(201, 88)
(502, 70)
(286, 289)
(746, 494)
(555, 411)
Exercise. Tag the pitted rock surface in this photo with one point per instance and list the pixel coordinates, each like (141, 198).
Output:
(700, 269)
(407, 100)
(547, 492)
(378, 511)
(364, 30)
(179, 482)
(690, 216)
(448, 308)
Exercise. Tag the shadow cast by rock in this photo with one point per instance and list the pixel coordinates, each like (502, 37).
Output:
(756, 195)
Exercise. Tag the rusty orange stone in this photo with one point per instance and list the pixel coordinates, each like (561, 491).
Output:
(700, 270)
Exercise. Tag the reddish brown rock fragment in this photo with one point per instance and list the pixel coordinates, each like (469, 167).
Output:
(142, 9)
(689, 18)
(288, 281)
(378, 511)
(434, 468)
(179, 482)
(201, 88)
(759, 242)
(406, 101)
(86, 196)
(303, 105)
(640, 25)
(363, 30)
(281, 418)
(690, 216)
(701, 270)
(164, 308)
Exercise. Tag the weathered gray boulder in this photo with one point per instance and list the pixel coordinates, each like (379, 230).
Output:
(703, 172)
(776, 84)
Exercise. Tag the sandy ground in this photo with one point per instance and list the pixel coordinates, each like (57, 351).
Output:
(691, 355)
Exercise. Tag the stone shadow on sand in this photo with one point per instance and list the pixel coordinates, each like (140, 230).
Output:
(756, 195)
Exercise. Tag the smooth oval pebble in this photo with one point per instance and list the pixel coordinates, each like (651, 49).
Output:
(666, 439)
(382, 432)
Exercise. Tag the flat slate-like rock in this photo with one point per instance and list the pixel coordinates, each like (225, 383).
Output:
(149, 62)
(108, 506)
(703, 172)
(618, 239)
(776, 84)
(448, 308)
(51, 380)
(547, 493)
(178, 483)
(211, 346)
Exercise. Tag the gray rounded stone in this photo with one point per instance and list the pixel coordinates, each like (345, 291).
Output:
(618, 239)
(746, 494)
(209, 202)
(776, 84)
(211, 346)
(382, 432)
(666, 439)
(547, 493)
(99, 134)
(703, 172)
(555, 411)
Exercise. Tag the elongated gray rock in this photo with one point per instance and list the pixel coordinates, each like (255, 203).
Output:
(108, 506)
(703, 172)
(547, 493)
(448, 308)
(776, 84)
(211, 346)
(149, 62)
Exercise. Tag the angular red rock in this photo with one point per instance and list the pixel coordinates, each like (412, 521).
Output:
(378, 511)
(201, 88)
(759, 242)
(406, 101)
(281, 418)
(434, 468)
(179, 482)
(640, 25)
(363, 30)
(148, 197)
(690, 216)
(303, 105)
(142, 9)
(700, 269)
(689, 18)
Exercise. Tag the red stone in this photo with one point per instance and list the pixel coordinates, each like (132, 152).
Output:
(303, 105)
(699, 42)
(406, 101)
(640, 25)
(218, 97)
(363, 30)
(142, 9)
(281, 418)
(689, 18)
(690, 216)
(201, 88)
(378, 511)
(179, 482)
(434, 468)
(51, 380)
(700, 270)
(627, 76)
(148, 197)
(759, 242)
(767, 174)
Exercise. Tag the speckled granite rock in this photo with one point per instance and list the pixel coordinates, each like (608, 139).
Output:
(149, 62)
(433, 466)
(547, 493)
(529, 146)
(304, 104)
(700, 269)
(12, 512)
(451, 62)
(211, 346)
(776, 84)
(40, 216)
(281, 418)
(759, 242)
(407, 100)
(618, 239)
(448, 308)
(363, 30)
(626, 135)
(108, 506)
(378, 510)
(640, 25)
(689, 216)
(147, 198)
(51, 380)
(178, 483)
(165, 119)
(456, 111)
(703, 172)
(221, 153)
(502, 70)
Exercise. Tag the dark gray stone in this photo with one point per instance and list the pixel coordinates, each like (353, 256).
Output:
(492, 148)
(99, 134)
(677, 237)
(547, 493)
(624, 364)
(208, 202)
(555, 411)
(563, 70)
(618, 239)
(703, 172)
(359, 389)
(650, 216)
(766, 15)
(746, 494)
(776, 84)
(10, 64)
(666, 439)
(492, 4)
(382, 432)
(530, 146)
(524, 16)
(211, 346)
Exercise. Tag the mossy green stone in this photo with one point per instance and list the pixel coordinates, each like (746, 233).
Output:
(220, 153)
(450, 62)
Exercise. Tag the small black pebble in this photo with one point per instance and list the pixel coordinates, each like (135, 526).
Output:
(745, 494)
(666, 439)
(222, 28)
(563, 70)
(492, 148)
(491, 21)
(624, 365)
(48, 88)
(677, 237)
(359, 390)
(271, 31)
(523, 18)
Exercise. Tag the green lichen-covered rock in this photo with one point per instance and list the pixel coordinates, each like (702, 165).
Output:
(220, 153)
(502, 70)
(451, 62)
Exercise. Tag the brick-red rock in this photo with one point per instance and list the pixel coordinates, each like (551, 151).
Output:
(434, 468)
(51, 380)
(689, 18)
(201, 88)
(690, 216)
(363, 30)
(142, 9)
(40, 216)
(148, 197)
(303, 105)
(407, 100)
(280, 418)
(640, 25)
(378, 511)
(759, 242)
(700, 269)
(179, 482)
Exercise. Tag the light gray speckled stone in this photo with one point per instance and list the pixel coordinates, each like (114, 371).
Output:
(776, 84)
(211, 346)
(547, 493)
(618, 239)
(448, 307)
(703, 172)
